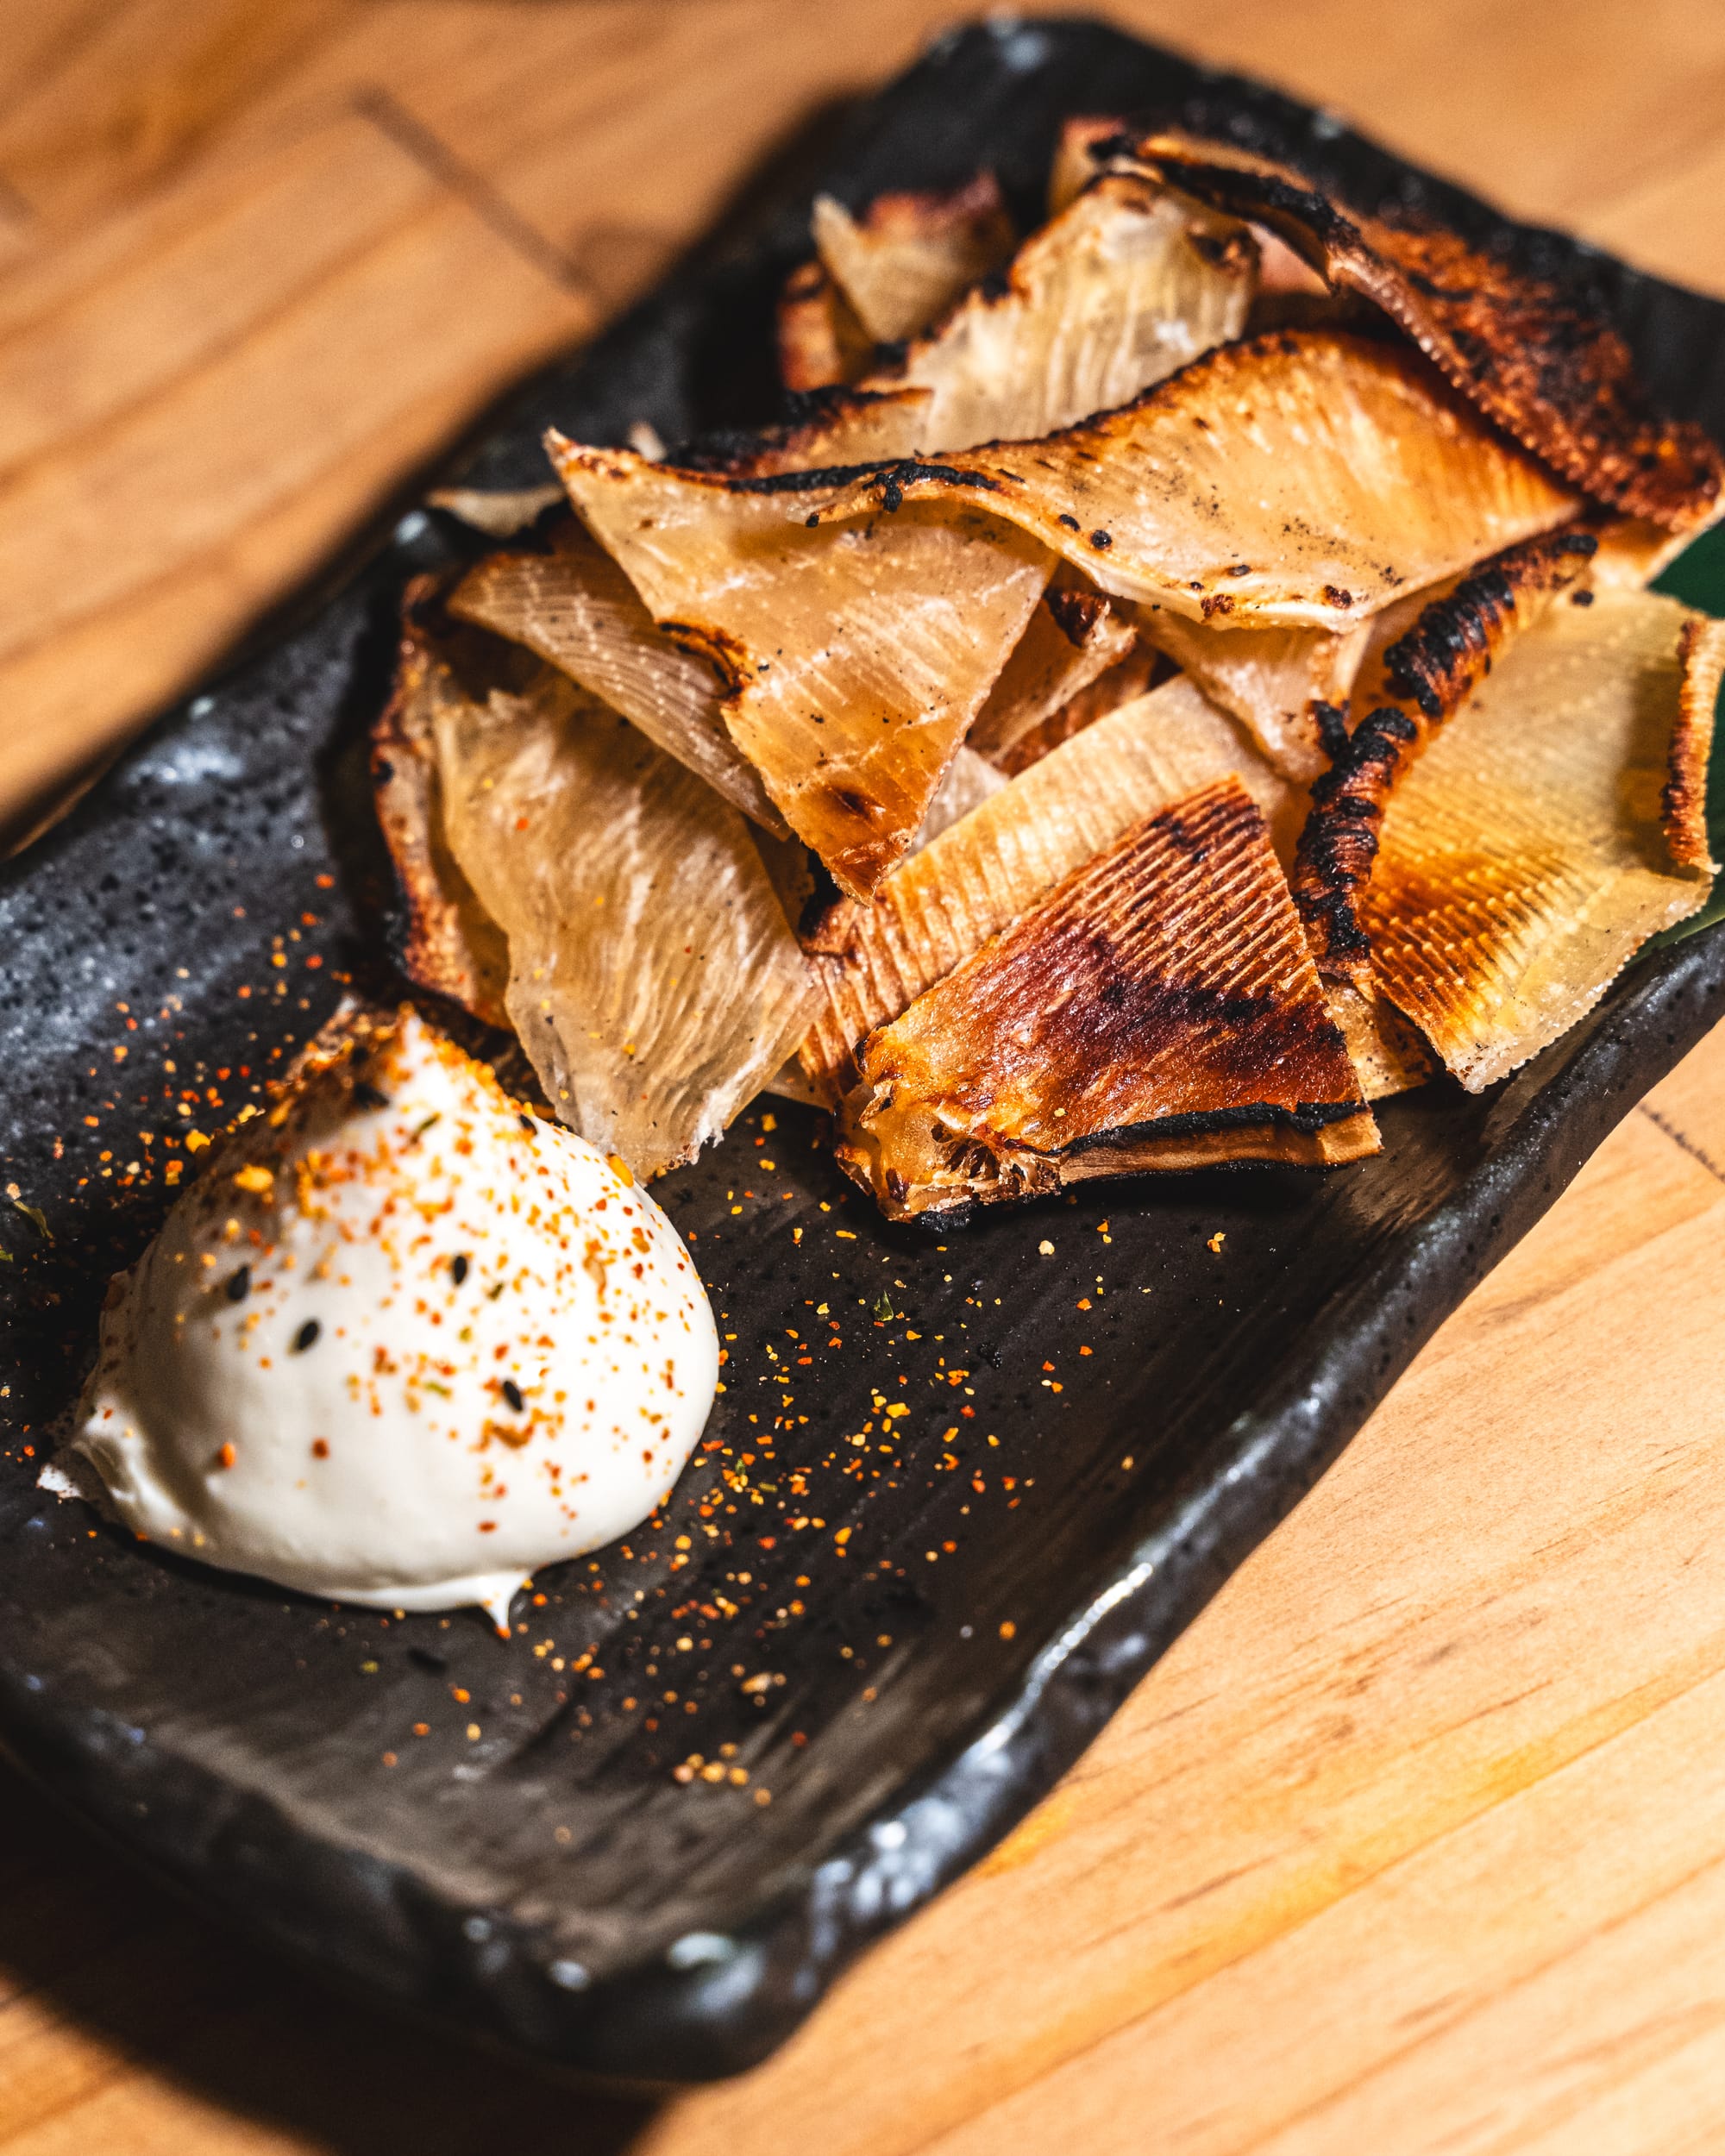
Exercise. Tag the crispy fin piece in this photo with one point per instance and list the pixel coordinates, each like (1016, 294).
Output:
(451, 945)
(654, 981)
(909, 256)
(1533, 353)
(1129, 284)
(1433, 670)
(1158, 1009)
(1140, 671)
(574, 606)
(820, 342)
(1074, 637)
(858, 654)
(1283, 683)
(938, 906)
(1541, 839)
(1303, 479)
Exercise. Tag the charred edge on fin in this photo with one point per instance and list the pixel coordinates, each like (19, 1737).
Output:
(895, 475)
(1434, 668)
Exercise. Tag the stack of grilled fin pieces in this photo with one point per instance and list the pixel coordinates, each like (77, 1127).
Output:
(1182, 675)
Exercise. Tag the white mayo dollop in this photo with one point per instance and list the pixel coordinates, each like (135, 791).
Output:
(402, 1345)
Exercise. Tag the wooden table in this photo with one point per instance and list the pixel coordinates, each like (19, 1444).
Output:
(1416, 1840)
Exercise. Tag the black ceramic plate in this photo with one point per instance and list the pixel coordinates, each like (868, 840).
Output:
(899, 1642)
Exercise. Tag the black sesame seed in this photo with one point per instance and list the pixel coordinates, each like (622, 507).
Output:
(240, 1284)
(458, 1269)
(306, 1336)
(1071, 522)
(1101, 541)
(368, 1096)
(525, 1121)
(511, 1392)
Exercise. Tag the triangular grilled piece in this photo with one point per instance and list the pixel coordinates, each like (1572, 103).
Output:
(1535, 353)
(858, 654)
(1550, 828)
(1305, 478)
(1288, 686)
(1135, 675)
(1431, 670)
(571, 604)
(450, 945)
(654, 981)
(1074, 635)
(1157, 1010)
(907, 257)
(1127, 284)
(938, 907)
(819, 340)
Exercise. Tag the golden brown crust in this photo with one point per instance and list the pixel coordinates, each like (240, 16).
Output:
(1432, 671)
(1551, 372)
(450, 945)
(1701, 650)
(1157, 1008)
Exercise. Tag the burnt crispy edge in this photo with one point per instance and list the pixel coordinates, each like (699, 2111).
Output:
(1683, 805)
(1435, 667)
(1587, 415)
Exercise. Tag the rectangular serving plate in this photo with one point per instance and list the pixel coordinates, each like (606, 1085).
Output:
(943, 1614)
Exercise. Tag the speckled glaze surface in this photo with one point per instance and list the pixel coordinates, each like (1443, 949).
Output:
(929, 1542)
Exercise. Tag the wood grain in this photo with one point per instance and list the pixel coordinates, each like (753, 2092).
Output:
(1416, 1839)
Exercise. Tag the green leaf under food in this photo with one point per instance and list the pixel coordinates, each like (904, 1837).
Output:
(1697, 578)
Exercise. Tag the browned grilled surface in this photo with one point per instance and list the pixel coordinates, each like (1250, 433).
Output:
(1433, 670)
(1701, 649)
(944, 902)
(450, 946)
(820, 341)
(1553, 374)
(1159, 1000)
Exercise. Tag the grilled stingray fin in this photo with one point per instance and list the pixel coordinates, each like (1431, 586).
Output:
(938, 907)
(1305, 479)
(858, 654)
(1141, 670)
(1158, 1009)
(820, 342)
(1074, 637)
(654, 981)
(1538, 356)
(1550, 828)
(572, 604)
(909, 256)
(1434, 668)
(1286, 684)
(1127, 284)
(450, 945)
